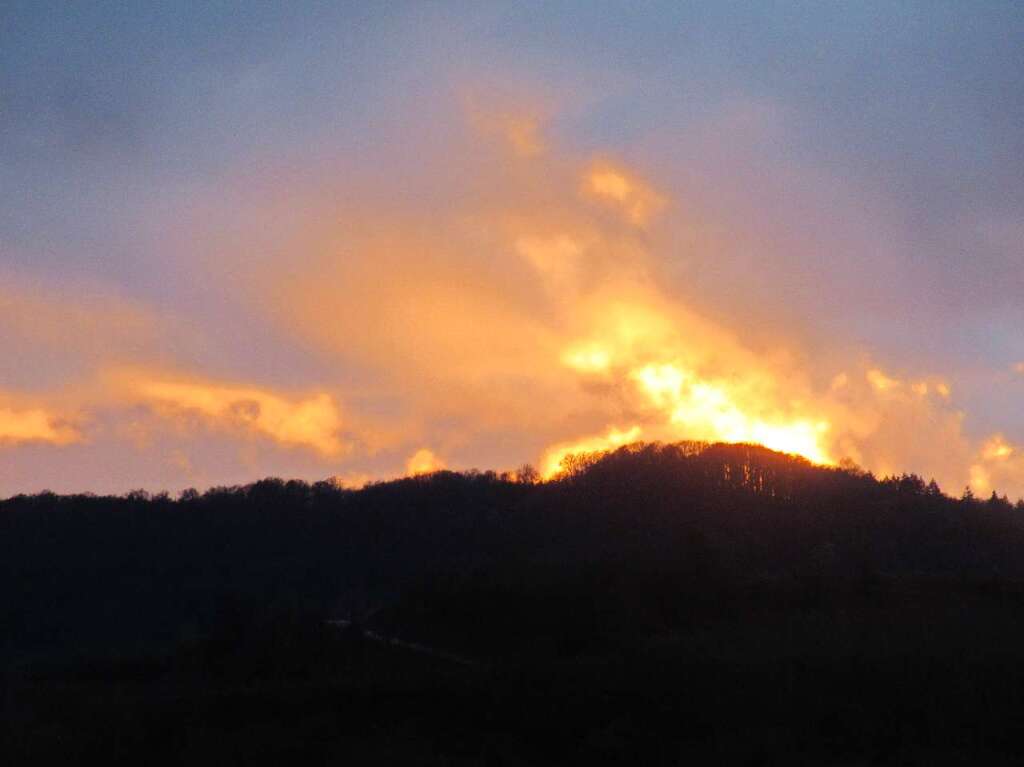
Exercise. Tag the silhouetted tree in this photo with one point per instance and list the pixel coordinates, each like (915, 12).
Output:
(527, 474)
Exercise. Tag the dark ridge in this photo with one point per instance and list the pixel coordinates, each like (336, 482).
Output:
(87, 571)
(800, 606)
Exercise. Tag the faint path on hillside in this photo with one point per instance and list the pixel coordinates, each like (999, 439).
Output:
(416, 647)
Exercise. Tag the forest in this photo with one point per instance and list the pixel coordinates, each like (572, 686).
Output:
(652, 604)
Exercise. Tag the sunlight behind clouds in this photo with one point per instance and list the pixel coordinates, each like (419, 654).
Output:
(497, 244)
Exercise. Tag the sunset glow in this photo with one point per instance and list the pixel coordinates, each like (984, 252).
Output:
(35, 425)
(553, 462)
(463, 247)
(511, 382)
(311, 422)
(423, 461)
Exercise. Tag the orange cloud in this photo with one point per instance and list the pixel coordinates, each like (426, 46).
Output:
(21, 426)
(724, 411)
(638, 202)
(352, 481)
(553, 461)
(313, 421)
(514, 308)
(996, 448)
(74, 319)
(881, 381)
(423, 461)
(999, 465)
(922, 388)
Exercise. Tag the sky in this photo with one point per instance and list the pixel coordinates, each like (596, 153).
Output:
(365, 240)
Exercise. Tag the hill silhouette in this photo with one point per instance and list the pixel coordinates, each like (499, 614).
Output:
(686, 561)
(717, 519)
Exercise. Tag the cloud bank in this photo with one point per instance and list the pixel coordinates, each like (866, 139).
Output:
(426, 238)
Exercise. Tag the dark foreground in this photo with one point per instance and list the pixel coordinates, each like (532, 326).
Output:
(663, 605)
(879, 682)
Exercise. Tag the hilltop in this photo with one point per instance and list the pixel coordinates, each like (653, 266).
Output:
(812, 609)
(708, 518)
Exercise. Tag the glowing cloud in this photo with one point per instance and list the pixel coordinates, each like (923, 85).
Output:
(710, 410)
(354, 481)
(312, 422)
(558, 260)
(423, 461)
(588, 358)
(553, 462)
(462, 266)
(996, 449)
(980, 479)
(515, 308)
(637, 201)
(35, 425)
(998, 464)
(881, 381)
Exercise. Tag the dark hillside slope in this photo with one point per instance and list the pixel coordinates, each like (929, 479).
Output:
(82, 572)
(661, 604)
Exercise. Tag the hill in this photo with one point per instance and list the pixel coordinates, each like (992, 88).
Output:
(785, 595)
(713, 519)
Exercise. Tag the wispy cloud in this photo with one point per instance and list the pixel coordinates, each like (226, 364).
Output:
(313, 421)
(35, 425)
